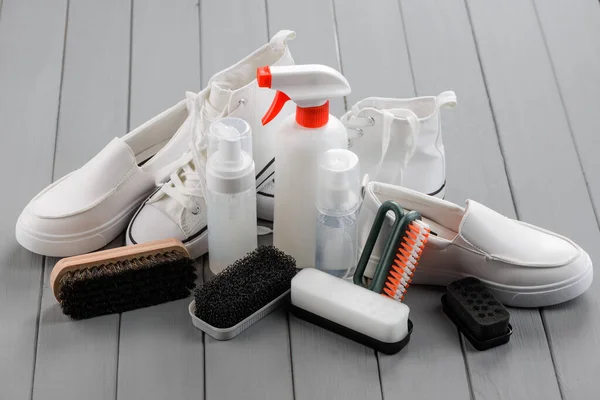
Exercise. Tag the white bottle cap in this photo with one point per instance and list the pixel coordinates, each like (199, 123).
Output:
(230, 168)
(338, 190)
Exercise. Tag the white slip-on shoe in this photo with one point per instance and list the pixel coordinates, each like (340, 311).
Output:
(523, 265)
(86, 209)
(399, 141)
(177, 209)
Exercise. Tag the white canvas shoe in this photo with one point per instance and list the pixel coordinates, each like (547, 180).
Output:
(177, 209)
(523, 265)
(86, 209)
(399, 141)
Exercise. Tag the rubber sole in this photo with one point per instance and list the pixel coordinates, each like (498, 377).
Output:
(197, 247)
(76, 244)
(265, 205)
(513, 296)
(544, 296)
(523, 297)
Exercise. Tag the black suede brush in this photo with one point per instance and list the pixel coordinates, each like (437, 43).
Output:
(123, 279)
(243, 293)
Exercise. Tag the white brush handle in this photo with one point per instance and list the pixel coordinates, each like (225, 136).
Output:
(350, 305)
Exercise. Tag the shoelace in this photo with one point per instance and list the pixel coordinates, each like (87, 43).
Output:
(187, 183)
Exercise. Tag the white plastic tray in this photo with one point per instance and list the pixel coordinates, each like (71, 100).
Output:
(230, 333)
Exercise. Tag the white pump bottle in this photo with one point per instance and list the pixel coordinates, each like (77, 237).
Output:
(299, 143)
(231, 193)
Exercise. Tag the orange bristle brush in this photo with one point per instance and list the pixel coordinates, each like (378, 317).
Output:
(401, 253)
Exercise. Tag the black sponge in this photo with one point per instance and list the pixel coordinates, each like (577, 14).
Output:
(477, 314)
(245, 287)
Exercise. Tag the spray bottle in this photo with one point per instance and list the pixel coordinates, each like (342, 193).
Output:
(300, 141)
(230, 192)
(338, 199)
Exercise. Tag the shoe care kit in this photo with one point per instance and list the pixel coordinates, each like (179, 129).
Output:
(356, 204)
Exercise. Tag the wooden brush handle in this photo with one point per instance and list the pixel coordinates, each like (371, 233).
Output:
(111, 256)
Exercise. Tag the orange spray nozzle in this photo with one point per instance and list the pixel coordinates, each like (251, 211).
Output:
(264, 78)
(309, 86)
(276, 106)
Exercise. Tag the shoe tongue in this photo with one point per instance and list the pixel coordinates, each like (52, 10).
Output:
(217, 101)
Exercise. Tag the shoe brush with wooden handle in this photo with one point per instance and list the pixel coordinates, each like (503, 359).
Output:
(123, 279)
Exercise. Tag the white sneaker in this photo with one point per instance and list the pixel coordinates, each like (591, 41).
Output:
(523, 265)
(399, 141)
(86, 209)
(177, 209)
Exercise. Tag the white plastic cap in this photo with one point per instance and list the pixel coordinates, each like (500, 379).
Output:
(230, 167)
(338, 190)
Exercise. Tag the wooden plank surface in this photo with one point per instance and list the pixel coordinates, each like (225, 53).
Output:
(258, 359)
(330, 366)
(95, 88)
(373, 49)
(361, 41)
(538, 126)
(161, 354)
(93, 110)
(229, 31)
(316, 42)
(254, 365)
(165, 59)
(543, 168)
(439, 34)
(574, 48)
(31, 55)
(444, 57)
(433, 354)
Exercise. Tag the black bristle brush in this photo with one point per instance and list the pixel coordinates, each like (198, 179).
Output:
(123, 279)
(244, 287)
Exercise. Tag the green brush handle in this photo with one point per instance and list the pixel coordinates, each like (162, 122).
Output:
(391, 249)
(380, 276)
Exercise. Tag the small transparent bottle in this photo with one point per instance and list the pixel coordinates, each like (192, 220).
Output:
(230, 193)
(338, 200)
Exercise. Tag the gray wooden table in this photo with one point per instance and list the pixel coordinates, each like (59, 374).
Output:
(524, 140)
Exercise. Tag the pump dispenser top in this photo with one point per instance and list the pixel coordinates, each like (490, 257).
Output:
(338, 188)
(230, 168)
(299, 142)
(309, 86)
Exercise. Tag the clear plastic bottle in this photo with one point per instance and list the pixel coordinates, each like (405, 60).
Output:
(230, 193)
(338, 200)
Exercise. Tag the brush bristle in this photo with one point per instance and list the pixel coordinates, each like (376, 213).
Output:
(126, 285)
(407, 259)
(245, 287)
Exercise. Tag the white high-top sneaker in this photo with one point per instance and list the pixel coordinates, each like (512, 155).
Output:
(399, 141)
(177, 208)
